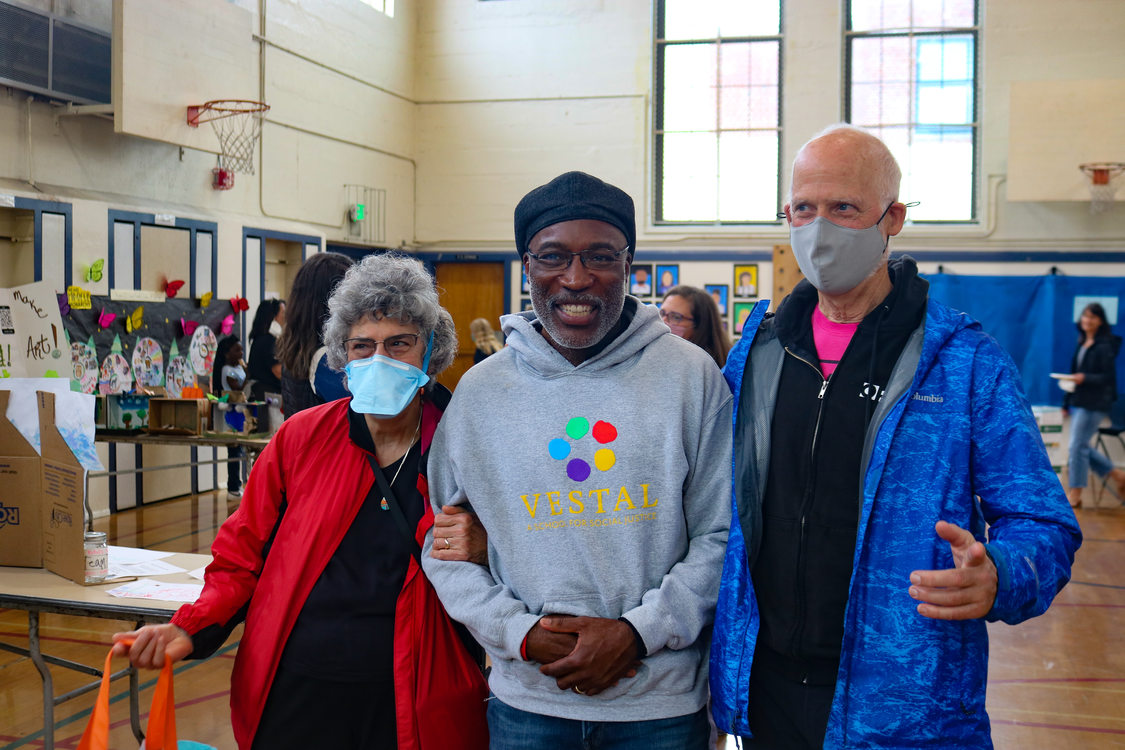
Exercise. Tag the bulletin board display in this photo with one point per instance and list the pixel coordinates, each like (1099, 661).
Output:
(119, 346)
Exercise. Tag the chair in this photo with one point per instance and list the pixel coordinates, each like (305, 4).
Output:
(1116, 429)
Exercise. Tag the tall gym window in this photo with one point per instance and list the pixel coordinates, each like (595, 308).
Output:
(717, 125)
(912, 81)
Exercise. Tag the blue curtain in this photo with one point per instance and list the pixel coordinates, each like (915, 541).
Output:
(1032, 317)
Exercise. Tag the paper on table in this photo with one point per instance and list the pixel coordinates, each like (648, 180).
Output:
(150, 568)
(134, 555)
(165, 592)
(197, 573)
(1062, 375)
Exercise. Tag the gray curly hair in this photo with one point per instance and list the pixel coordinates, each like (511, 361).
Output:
(396, 286)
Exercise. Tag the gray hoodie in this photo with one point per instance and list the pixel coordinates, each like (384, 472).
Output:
(605, 491)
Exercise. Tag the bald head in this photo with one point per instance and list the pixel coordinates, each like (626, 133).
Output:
(856, 155)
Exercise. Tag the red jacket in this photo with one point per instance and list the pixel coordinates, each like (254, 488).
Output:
(313, 467)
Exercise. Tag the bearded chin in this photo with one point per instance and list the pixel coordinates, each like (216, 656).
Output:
(609, 312)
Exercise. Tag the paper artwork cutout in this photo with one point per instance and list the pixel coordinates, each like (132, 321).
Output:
(64, 306)
(205, 300)
(106, 318)
(179, 374)
(84, 358)
(239, 303)
(94, 272)
(115, 375)
(189, 326)
(78, 298)
(228, 324)
(148, 363)
(171, 288)
(135, 320)
(202, 351)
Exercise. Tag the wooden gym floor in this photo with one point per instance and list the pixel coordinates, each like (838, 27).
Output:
(1056, 681)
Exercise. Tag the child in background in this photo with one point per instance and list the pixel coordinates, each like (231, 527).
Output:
(230, 375)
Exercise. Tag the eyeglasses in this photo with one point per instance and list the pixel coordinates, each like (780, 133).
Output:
(674, 318)
(396, 346)
(594, 260)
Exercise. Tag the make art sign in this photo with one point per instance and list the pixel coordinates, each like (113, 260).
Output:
(32, 339)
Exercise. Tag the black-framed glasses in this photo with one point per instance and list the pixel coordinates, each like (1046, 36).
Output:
(397, 346)
(594, 260)
(674, 318)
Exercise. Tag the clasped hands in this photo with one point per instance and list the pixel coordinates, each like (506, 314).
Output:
(586, 654)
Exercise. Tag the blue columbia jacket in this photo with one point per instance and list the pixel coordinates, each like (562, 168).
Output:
(953, 439)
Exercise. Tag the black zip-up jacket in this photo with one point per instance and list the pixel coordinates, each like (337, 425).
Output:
(811, 505)
(1099, 390)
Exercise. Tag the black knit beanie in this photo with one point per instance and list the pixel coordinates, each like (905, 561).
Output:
(575, 195)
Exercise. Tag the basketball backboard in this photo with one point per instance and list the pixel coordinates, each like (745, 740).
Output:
(1056, 125)
(169, 54)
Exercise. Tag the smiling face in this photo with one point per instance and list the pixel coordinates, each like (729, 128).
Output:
(576, 305)
(1089, 322)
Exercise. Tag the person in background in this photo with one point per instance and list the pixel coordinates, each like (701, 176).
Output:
(1094, 365)
(891, 490)
(691, 313)
(306, 378)
(345, 645)
(484, 338)
(263, 369)
(230, 375)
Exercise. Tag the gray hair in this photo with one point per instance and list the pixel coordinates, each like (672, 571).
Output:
(887, 174)
(396, 286)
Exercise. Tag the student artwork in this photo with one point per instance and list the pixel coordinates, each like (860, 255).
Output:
(240, 304)
(640, 281)
(77, 298)
(179, 374)
(135, 320)
(172, 288)
(94, 272)
(666, 278)
(201, 351)
(115, 375)
(188, 326)
(148, 363)
(742, 311)
(228, 324)
(106, 318)
(746, 281)
(84, 358)
(718, 293)
(205, 300)
(526, 305)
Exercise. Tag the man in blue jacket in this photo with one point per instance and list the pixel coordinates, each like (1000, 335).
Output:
(891, 492)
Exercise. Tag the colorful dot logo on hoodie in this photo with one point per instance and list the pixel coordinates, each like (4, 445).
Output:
(578, 469)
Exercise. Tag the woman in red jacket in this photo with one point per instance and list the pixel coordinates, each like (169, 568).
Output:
(346, 644)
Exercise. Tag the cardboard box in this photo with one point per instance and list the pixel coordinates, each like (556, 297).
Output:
(240, 417)
(21, 524)
(64, 498)
(179, 416)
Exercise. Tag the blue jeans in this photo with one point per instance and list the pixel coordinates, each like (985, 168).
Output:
(512, 729)
(1083, 426)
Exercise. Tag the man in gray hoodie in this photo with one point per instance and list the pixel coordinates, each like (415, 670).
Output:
(595, 449)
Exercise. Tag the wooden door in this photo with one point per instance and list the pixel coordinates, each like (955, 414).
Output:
(469, 291)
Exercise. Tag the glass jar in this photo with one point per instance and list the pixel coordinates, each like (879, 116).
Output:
(97, 556)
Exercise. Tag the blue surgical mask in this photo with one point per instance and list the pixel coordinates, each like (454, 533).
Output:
(384, 386)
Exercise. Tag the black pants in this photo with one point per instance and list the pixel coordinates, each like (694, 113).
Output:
(307, 713)
(234, 469)
(786, 713)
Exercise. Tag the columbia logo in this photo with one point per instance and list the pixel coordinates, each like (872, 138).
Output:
(929, 398)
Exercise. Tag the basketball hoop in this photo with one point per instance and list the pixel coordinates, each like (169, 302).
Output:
(237, 124)
(1104, 183)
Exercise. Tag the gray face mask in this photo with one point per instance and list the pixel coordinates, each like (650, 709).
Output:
(837, 259)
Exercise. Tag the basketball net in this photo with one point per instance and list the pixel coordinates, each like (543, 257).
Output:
(1104, 182)
(237, 124)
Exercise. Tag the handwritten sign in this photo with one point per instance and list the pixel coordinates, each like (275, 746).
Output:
(32, 340)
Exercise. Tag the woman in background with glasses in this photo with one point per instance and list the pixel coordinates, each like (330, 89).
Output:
(692, 314)
(346, 644)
